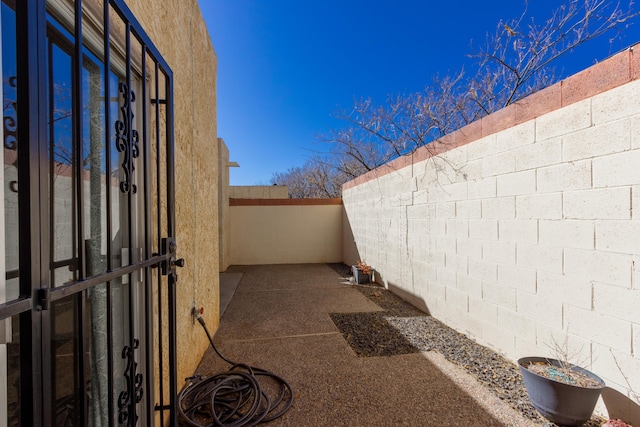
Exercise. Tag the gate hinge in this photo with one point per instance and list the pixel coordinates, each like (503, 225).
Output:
(44, 298)
(169, 248)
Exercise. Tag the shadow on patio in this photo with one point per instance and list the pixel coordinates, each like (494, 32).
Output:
(280, 319)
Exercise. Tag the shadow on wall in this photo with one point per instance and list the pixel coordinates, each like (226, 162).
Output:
(620, 406)
(414, 300)
(350, 252)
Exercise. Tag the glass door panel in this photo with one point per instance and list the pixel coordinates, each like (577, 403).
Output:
(92, 221)
(10, 359)
(66, 362)
(9, 258)
(82, 348)
(9, 290)
(62, 158)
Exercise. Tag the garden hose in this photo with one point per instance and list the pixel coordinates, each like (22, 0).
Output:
(233, 398)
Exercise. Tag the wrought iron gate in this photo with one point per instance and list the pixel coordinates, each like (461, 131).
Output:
(87, 286)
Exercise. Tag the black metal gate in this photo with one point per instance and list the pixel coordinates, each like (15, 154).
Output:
(87, 286)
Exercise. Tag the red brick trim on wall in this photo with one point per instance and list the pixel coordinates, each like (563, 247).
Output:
(614, 71)
(284, 202)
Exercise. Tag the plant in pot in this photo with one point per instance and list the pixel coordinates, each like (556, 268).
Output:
(362, 273)
(562, 392)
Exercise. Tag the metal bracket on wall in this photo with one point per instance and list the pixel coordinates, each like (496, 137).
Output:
(170, 247)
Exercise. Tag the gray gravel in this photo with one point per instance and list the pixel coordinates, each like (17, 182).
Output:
(403, 329)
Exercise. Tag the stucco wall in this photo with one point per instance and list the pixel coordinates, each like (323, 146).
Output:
(285, 231)
(223, 205)
(530, 233)
(259, 192)
(179, 32)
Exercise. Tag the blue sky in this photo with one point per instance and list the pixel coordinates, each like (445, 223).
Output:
(286, 66)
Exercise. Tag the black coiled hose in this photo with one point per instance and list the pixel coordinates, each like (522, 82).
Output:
(233, 398)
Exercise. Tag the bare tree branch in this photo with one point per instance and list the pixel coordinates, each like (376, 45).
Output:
(513, 63)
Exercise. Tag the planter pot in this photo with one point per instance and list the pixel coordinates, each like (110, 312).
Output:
(563, 404)
(359, 277)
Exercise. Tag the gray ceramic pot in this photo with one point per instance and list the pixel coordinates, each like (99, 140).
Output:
(563, 404)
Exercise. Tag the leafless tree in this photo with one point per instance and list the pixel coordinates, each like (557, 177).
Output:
(317, 178)
(517, 59)
(514, 62)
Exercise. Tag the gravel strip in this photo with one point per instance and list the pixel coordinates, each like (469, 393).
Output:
(403, 329)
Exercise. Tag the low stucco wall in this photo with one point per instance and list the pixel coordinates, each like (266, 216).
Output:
(525, 230)
(259, 192)
(285, 231)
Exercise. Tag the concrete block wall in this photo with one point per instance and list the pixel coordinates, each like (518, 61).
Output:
(523, 232)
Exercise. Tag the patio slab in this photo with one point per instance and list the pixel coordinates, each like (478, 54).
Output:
(279, 320)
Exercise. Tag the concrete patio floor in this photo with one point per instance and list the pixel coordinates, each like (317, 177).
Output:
(278, 319)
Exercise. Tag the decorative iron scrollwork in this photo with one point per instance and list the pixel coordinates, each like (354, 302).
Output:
(9, 119)
(10, 126)
(133, 393)
(127, 139)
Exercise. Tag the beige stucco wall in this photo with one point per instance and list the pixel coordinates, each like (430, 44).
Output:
(259, 192)
(527, 235)
(286, 234)
(179, 32)
(223, 204)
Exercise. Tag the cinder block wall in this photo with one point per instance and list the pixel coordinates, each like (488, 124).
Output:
(526, 229)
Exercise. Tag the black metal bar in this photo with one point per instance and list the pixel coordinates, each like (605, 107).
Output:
(129, 158)
(15, 307)
(173, 363)
(12, 274)
(81, 353)
(30, 21)
(170, 158)
(77, 142)
(146, 194)
(107, 127)
(160, 344)
(70, 288)
(121, 9)
(82, 356)
(71, 263)
(51, 162)
(110, 362)
(159, 242)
